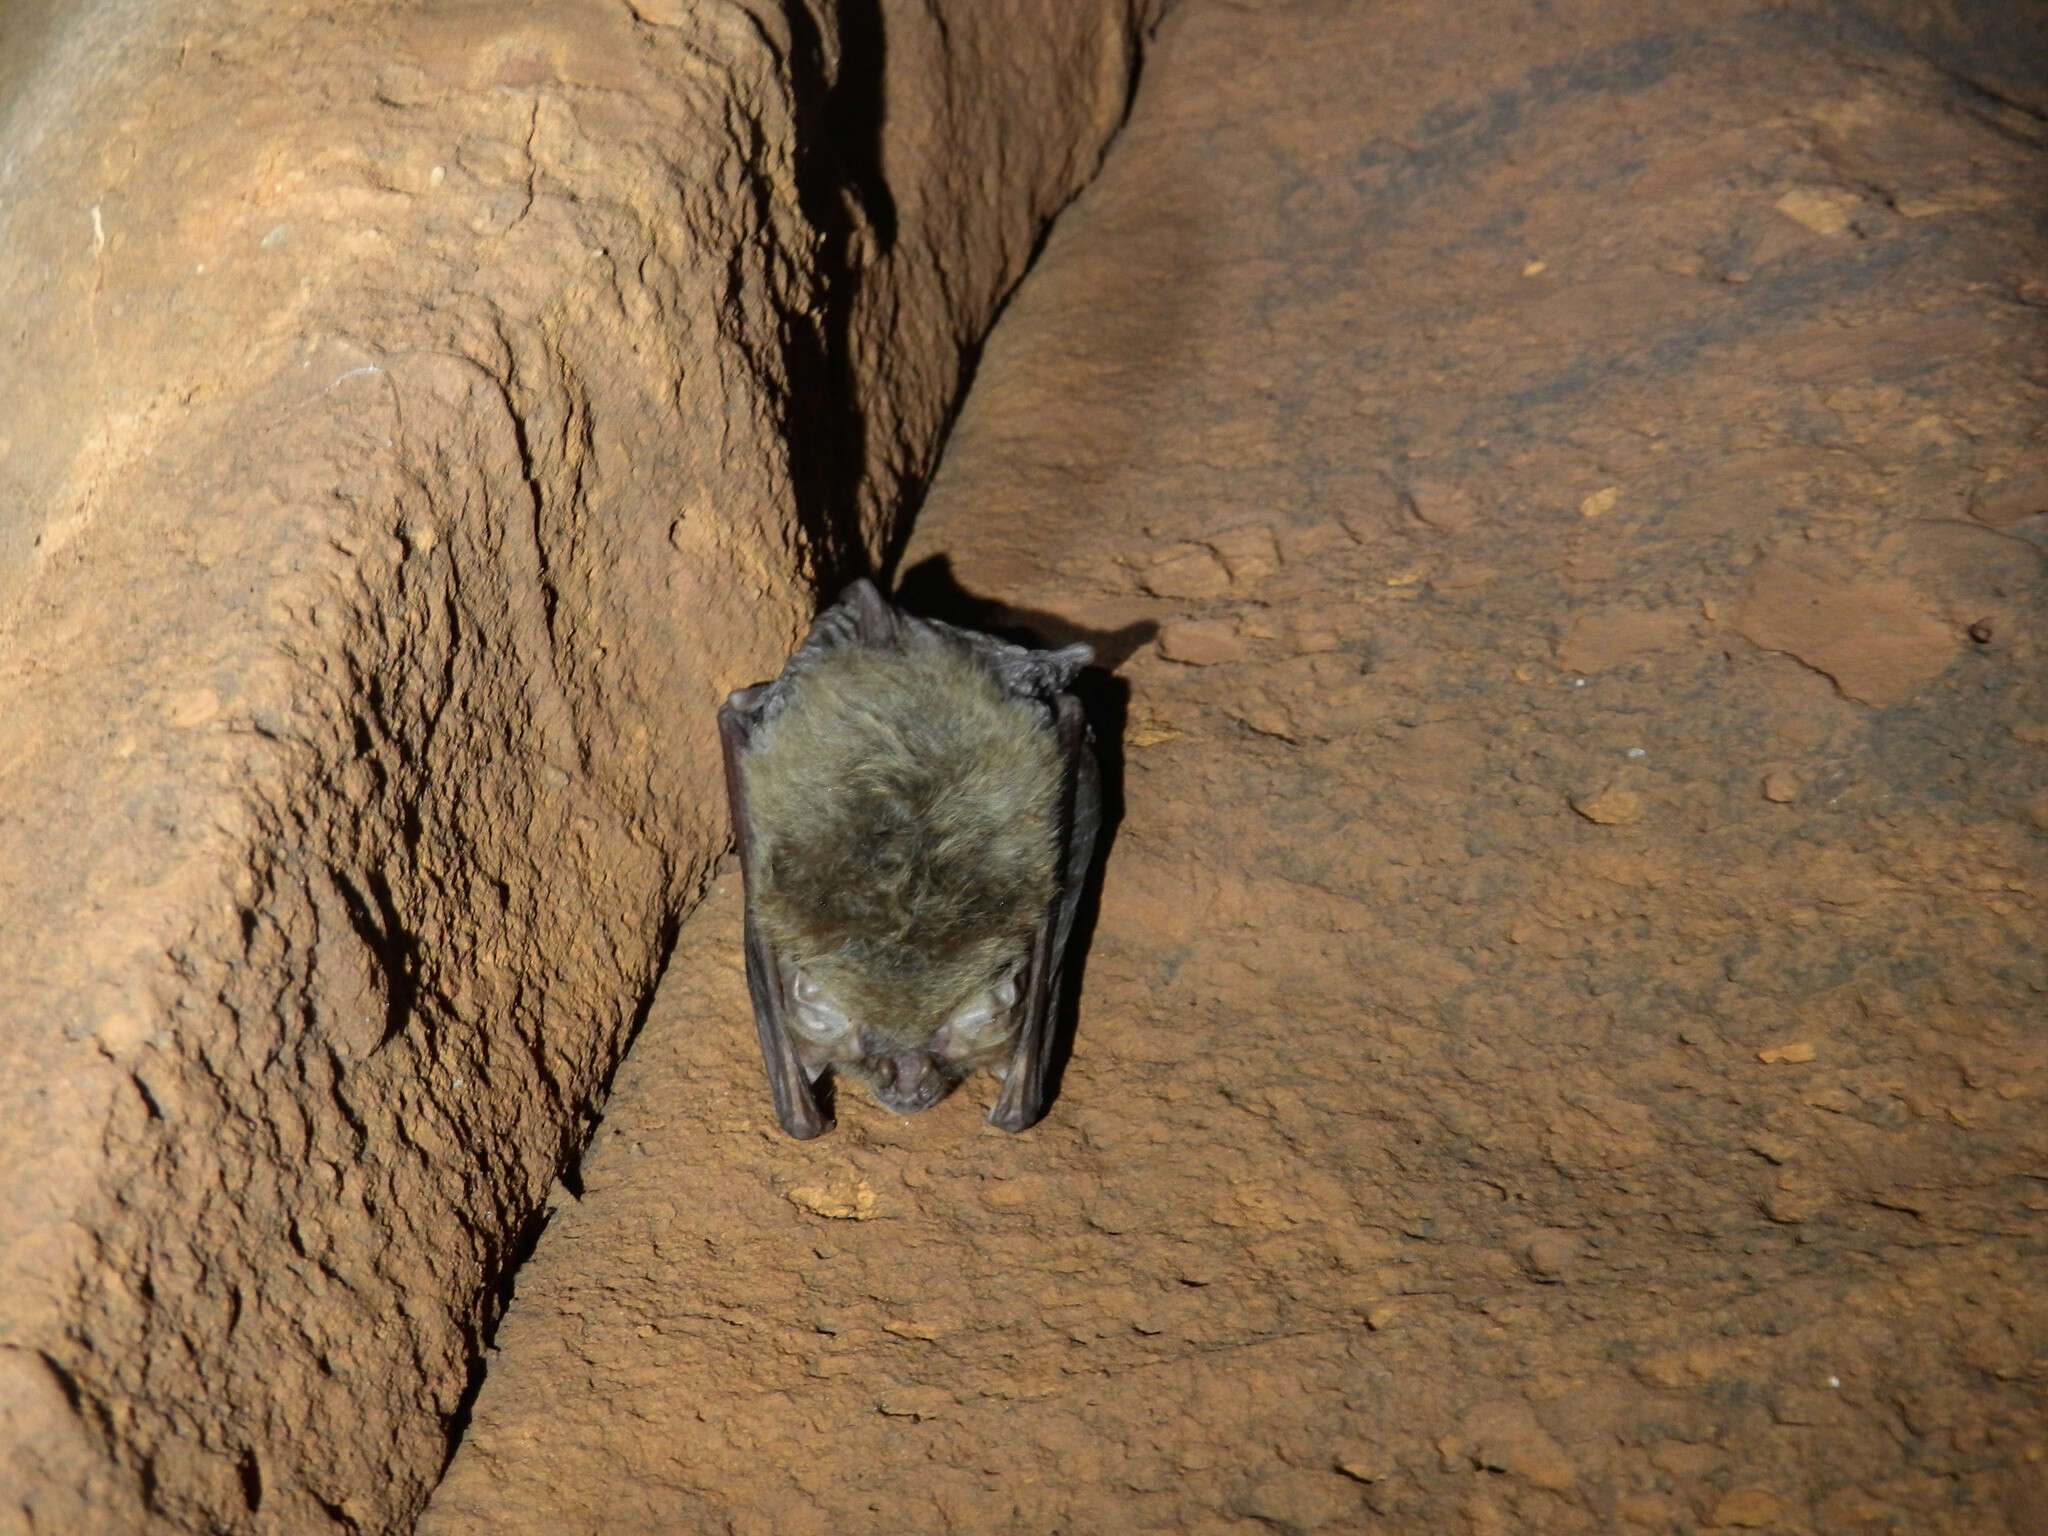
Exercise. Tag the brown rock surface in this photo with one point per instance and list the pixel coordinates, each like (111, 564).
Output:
(413, 418)
(1416, 1169)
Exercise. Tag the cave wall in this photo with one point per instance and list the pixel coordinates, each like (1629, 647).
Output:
(417, 416)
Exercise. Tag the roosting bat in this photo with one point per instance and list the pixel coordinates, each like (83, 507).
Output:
(915, 807)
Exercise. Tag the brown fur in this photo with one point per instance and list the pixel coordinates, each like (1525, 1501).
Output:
(905, 814)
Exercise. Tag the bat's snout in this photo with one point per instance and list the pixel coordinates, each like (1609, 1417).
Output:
(908, 1081)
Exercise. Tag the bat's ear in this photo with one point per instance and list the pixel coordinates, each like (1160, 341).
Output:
(741, 702)
(1037, 674)
(1069, 660)
(875, 622)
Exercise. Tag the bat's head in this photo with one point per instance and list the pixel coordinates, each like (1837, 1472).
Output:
(905, 1070)
(905, 828)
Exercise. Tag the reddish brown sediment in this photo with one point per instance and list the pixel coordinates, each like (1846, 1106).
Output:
(1560, 1049)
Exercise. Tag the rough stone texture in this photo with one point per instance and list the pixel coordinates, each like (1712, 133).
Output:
(414, 418)
(1554, 1056)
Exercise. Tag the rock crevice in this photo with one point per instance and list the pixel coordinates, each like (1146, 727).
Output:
(419, 419)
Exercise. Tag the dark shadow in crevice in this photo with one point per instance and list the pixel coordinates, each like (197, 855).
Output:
(844, 196)
(914, 487)
(578, 1130)
(373, 914)
(840, 109)
(496, 1301)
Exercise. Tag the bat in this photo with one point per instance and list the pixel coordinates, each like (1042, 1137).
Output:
(915, 808)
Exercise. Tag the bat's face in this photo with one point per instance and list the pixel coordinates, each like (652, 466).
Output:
(904, 1075)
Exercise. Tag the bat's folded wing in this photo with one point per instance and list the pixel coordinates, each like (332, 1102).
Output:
(1029, 1079)
(796, 1102)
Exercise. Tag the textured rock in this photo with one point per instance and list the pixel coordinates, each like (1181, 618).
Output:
(415, 420)
(1415, 1170)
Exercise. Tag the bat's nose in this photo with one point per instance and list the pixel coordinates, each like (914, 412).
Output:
(908, 1081)
(902, 1072)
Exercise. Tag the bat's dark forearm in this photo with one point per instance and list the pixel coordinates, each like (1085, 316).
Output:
(1022, 1103)
(796, 1104)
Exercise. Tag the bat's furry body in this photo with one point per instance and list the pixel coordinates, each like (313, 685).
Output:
(915, 807)
(906, 828)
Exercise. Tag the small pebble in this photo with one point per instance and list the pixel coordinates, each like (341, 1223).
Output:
(1547, 1255)
(1748, 1508)
(1792, 1050)
(1780, 788)
(1610, 807)
(1201, 642)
